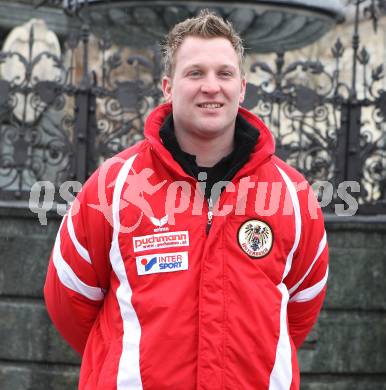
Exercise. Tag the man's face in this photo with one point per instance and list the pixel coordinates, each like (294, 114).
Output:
(206, 87)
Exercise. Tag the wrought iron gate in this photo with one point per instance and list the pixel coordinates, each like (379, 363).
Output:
(62, 127)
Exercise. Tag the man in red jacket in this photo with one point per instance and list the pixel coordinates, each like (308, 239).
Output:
(170, 271)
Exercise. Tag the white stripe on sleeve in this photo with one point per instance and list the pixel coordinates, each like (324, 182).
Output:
(321, 247)
(298, 220)
(83, 253)
(68, 277)
(281, 374)
(129, 375)
(311, 292)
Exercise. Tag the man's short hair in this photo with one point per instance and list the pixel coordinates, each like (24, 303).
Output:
(205, 25)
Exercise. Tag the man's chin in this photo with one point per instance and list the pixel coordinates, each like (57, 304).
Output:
(210, 132)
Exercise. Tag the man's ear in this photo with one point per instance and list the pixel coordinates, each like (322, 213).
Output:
(167, 88)
(243, 89)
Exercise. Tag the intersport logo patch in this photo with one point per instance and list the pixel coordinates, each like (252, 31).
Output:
(162, 262)
(160, 240)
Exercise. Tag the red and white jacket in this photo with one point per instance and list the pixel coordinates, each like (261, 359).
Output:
(152, 301)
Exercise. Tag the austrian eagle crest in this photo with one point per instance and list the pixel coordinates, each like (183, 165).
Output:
(255, 238)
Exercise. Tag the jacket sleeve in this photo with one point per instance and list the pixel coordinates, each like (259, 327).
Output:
(307, 279)
(79, 268)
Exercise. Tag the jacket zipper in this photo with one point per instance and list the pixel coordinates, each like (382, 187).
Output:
(210, 215)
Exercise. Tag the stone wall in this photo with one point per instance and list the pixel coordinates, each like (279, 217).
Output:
(345, 351)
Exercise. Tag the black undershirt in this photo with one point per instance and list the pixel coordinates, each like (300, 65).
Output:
(246, 137)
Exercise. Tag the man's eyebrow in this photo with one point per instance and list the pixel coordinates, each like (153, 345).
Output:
(193, 66)
(198, 65)
(228, 66)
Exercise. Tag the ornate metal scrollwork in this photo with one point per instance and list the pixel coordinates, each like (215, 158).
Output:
(33, 144)
(300, 116)
(326, 127)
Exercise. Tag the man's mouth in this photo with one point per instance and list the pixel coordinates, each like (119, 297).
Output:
(210, 105)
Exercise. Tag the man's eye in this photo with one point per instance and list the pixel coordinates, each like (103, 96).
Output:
(194, 73)
(225, 74)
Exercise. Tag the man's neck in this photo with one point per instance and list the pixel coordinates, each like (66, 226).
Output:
(244, 141)
(208, 151)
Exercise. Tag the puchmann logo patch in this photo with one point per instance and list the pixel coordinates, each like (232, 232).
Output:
(162, 262)
(161, 240)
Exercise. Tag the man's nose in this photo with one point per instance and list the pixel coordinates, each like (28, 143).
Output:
(210, 85)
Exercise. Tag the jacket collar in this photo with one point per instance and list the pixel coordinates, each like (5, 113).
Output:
(263, 150)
